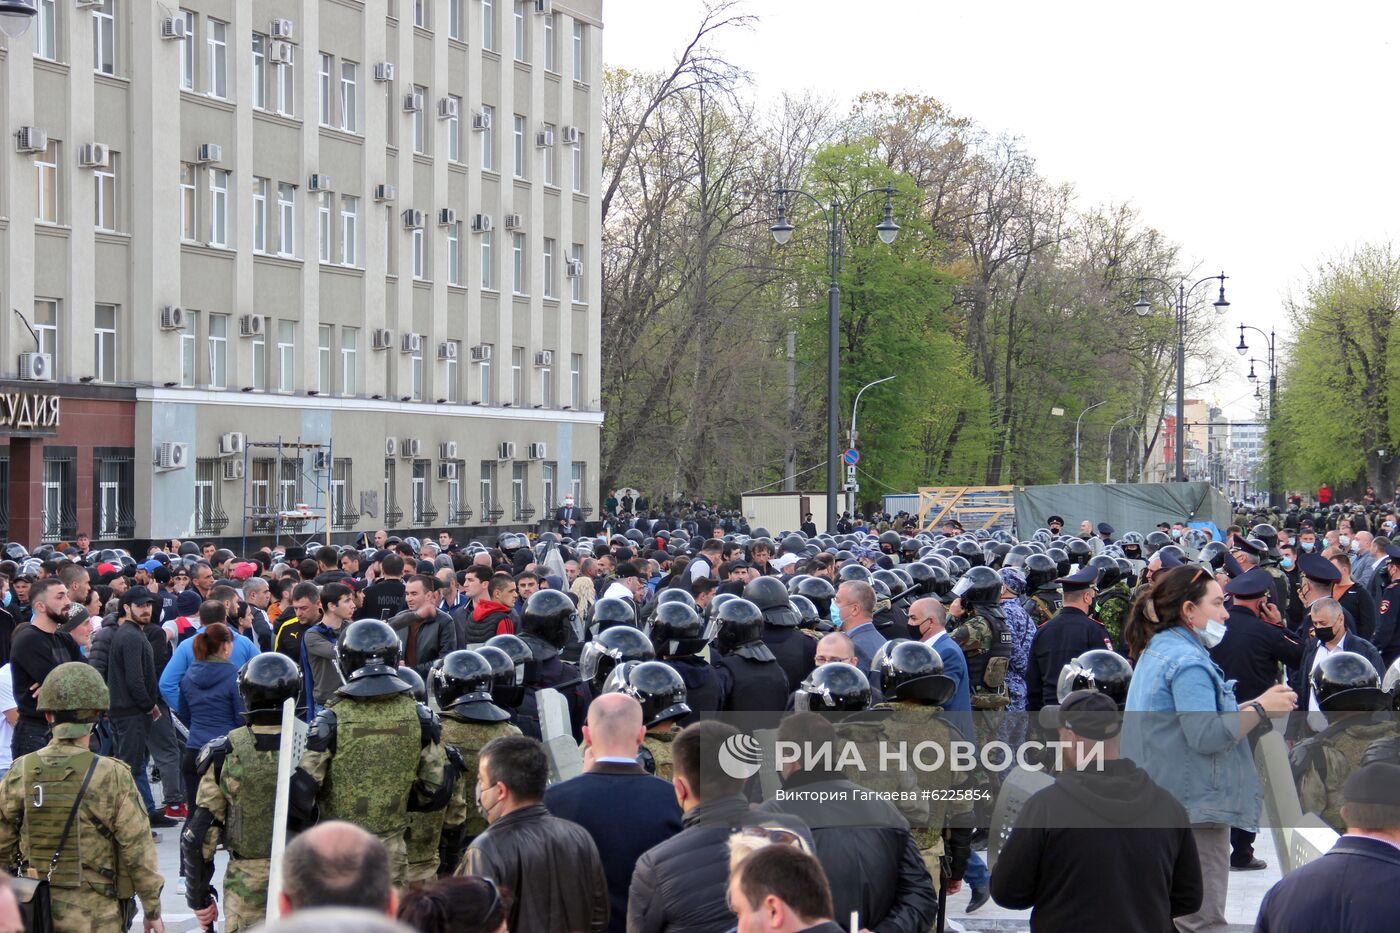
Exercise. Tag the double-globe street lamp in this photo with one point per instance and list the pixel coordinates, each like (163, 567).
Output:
(1144, 307)
(1275, 494)
(836, 214)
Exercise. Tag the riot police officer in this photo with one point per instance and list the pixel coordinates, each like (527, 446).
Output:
(756, 682)
(237, 783)
(545, 627)
(837, 687)
(782, 632)
(662, 695)
(1110, 608)
(1106, 671)
(609, 648)
(376, 753)
(983, 635)
(678, 634)
(1042, 599)
(610, 612)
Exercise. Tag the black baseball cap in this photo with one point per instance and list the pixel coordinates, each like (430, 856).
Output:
(137, 595)
(1084, 712)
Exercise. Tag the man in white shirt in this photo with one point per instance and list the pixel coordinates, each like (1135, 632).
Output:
(9, 713)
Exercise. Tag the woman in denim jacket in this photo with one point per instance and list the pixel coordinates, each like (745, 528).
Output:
(1203, 758)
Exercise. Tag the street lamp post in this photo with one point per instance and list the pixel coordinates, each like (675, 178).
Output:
(855, 406)
(1275, 493)
(1144, 307)
(1108, 462)
(834, 214)
(1076, 436)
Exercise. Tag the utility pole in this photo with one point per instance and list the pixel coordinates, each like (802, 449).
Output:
(790, 460)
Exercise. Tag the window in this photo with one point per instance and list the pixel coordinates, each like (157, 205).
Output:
(549, 62)
(286, 355)
(349, 97)
(189, 200)
(323, 212)
(550, 159)
(578, 163)
(517, 375)
(576, 482)
(286, 219)
(576, 380)
(576, 281)
(390, 242)
(517, 263)
(104, 343)
(46, 183)
(114, 492)
(520, 33)
(349, 353)
(260, 363)
(454, 253)
(518, 503)
(548, 470)
(488, 139)
(289, 484)
(104, 37)
(188, 360)
(449, 372)
(324, 83)
(420, 120)
(578, 51)
(487, 277)
(419, 259)
(60, 503)
(206, 490)
(187, 51)
(518, 134)
(349, 230)
(488, 24)
(420, 13)
(218, 58)
(415, 362)
(323, 359)
(46, 30)
(546, 399)
(218, 351)
(392, 515)
(548, 269)
(341, 516)
(454, 499)
(287, 86)
(259, 215)
(104, 181)
(489, 512)
(391, 119)
(46, 325)
(259, 71)
(484, 372)
(218, 207)
(454, 132)
(454, 19)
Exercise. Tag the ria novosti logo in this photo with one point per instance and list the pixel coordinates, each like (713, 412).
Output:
(741, 756)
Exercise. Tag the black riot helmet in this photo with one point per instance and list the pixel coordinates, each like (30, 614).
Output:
(942, 584)
(415, 682)
(609, 648)
(1269, 535)
(677, 629)
(1079, 551)
(820, 591)
(549, 617)
(1040, 570)
(1155, 541)
(464, 682)
(1109, 571)
(738, 629)
(893, 584)
(1106, 671)
(971, 552)
(807, 615)
(837, 687)
(678, 595)
(980, 586)
(266, 682)
(958, 565)
(1214, 554)
(610, 612)
(660, 690)
(766, 593)
(1125, 567)
(1174, 550)
(716, 603)
(366, 648)
(922, 576)
(507, 674)
(1345, 681)
(1061, 558)
(1016, 555)
(848, 572)
(912, 670)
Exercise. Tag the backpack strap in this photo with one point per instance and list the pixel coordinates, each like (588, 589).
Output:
(72, 815)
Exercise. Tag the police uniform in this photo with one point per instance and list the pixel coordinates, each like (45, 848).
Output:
(1252, 649)
(705, 690)
(1067, 636)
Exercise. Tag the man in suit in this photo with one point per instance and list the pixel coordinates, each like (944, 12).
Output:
(566, 517)
(1329, 635)
(929, 616)
(1355, 887)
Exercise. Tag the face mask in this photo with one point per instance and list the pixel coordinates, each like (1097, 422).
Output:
(1389, 527)
(1324, 635)
(1344, 540)
(1286, 563)
(835, 614)
(8, 597)
(1308, 546)
(1355, 546)
(1176, 533)
(1212, 634)
(485, 811)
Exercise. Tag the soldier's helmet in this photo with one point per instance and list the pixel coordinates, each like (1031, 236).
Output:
(674, 594)
(1109, 571)
(71, 687)
(610, 648)
(833, 688)
(737, 623)
(1391, 684)
(1345, 680)
(266, 682)
(766, 593)
(1106, 671)
(549, 616)
(677, 629)
(807, 615)
(980, 586)
(658, 687)
(913, 670)
(1040, 569)
(367, 648)
(820, 591)
(415, 682)
(464, 681)
(609, 612)
(507, 672)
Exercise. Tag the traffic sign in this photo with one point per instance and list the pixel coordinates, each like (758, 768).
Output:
(851, 456)
(851, 473)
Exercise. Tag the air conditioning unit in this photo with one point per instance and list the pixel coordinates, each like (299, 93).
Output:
(232, 443)
(233, 469)
(174, 317)
(514, 222)
(481, 223)
(447, 450)
(209, 152)
(384, 71)
(36, 367)
(391, 446)
(172, 455)
(412, 102)
(410, 447)
(544, 139)
(385, 192)
(281, 29)
(570, 135)
(482, 121)
(174, 27)
(412, 220)
(31, 139)
(411, 343)
(319, 183)
(447, 217)
(95, 155)
(447, 350)
(544, 358)
(251, 325)
(447, 108)
(574, 268)
(537, 451)
(382, 338)
(506, 451)
(544, 6)
(279, 53)
(447, 471)
(481, 353)
(84, 4)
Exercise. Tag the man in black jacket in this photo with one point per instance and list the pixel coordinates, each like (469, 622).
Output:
(1330, 634)
(37, 649)
(783, 890)
(1103, 841)
(1068, 635)
(425, 631)
(865, 846)
(384, 598)
(132, 680)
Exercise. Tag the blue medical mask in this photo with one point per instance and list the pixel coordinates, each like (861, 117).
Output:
(1286, 563)
(1308, 546)
(835, 614)
(8, 597)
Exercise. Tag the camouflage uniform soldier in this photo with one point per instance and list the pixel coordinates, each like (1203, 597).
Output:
(77, 818)
(656, 750)
(237, 785)
(1111, 607)
(375, 755)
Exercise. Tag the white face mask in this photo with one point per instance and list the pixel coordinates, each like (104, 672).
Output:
(1212, 635)
(1344, 540)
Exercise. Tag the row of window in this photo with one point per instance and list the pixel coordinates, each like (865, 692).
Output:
(112, 493)
(520, 31)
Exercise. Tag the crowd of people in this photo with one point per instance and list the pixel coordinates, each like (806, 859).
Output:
(523, 734)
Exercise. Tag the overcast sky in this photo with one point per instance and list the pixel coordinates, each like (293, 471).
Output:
(1258, 136)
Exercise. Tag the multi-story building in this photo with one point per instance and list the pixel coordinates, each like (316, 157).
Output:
(366, 227)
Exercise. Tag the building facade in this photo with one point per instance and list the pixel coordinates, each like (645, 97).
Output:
(326, 258)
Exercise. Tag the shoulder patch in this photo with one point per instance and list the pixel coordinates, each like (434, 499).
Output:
(213, 753)
(1385, 606)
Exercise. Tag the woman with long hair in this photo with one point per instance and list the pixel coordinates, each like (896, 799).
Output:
(1203, 759)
